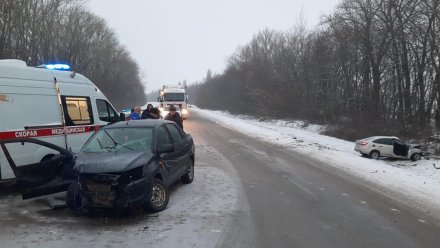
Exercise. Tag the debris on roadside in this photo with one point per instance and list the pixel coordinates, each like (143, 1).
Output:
(56, 203)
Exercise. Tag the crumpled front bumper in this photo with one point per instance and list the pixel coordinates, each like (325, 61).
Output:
(107, 191)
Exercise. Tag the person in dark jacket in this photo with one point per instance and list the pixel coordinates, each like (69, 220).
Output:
(146, 113)
(174, 116)
(155, 113)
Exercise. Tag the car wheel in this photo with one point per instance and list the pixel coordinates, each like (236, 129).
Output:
(416, 156)
(375, 155)
(73, 198)
(159, 196)
(188, 177)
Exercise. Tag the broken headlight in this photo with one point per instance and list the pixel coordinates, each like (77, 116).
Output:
(132, 175)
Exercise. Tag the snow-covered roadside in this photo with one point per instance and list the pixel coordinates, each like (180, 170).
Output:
(197, 215)
(416, 182)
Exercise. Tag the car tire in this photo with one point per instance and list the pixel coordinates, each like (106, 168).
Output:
(159, 196)
(73, 198)
(416, 156)
(188, 177)
(375, 155)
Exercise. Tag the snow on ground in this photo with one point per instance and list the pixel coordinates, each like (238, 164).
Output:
(413, 182)
(196, 216)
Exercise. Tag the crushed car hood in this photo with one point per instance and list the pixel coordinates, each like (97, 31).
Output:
(416, 146)
(111, 162)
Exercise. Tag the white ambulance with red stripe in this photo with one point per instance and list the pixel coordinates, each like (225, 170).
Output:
(50, 103)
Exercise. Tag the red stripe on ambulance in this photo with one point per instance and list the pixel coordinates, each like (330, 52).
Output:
(32, 133)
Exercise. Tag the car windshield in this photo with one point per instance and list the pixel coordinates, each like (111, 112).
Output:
(119, 139)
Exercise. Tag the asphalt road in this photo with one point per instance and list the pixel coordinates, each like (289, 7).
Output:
(246, 193)
(293, 201)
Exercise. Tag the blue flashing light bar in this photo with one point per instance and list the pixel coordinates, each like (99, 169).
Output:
(63, 67)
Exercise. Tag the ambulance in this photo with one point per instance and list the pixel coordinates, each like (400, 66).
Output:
(50, 103)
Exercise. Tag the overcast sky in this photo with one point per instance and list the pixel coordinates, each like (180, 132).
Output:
(176, 40)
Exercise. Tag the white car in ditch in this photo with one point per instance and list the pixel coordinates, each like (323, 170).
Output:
(387, 146)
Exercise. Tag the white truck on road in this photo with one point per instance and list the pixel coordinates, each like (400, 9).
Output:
(174, 95)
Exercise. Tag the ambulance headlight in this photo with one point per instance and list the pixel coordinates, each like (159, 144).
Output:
(184, 111)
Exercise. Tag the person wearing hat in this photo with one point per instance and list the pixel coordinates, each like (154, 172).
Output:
(174, 116)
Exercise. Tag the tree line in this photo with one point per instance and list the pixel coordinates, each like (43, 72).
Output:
(370, 64)
(44, 31)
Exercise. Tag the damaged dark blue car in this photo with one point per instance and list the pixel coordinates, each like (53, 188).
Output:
(121, 166)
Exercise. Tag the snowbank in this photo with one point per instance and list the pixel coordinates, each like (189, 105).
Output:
(412, 182)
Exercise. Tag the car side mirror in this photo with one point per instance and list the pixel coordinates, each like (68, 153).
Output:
(121, 116)
(165, 148)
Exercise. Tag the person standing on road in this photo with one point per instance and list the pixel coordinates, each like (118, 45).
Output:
(136, 113)
(146, 114)
(174, 116)
(155, 113)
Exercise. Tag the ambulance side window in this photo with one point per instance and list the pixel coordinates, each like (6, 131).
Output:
(77, 110)
(105, 111)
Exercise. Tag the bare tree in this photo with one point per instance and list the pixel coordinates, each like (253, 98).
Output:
(373, 63)
(44, 31)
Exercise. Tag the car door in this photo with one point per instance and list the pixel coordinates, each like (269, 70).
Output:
(169, 160)
(181, 146)
(51, 175)
(400, 149)
(384, 146)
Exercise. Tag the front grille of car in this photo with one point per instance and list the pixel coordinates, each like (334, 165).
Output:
(100, 189)
(108, 190)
